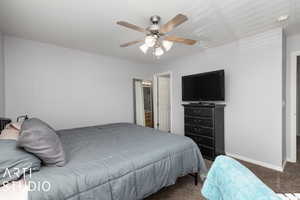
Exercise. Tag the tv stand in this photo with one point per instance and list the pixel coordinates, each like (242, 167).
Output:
(204, 123)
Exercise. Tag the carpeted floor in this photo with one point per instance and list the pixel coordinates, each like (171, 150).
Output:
(281, 182)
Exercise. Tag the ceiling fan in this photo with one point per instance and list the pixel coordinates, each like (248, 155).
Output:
(156, 35)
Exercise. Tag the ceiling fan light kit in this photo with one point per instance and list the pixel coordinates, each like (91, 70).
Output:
(158, 52)
(167, 44)
(156, 37)
(150, 40)
(144, 48)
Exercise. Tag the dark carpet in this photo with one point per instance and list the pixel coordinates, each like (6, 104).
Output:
(280, 182)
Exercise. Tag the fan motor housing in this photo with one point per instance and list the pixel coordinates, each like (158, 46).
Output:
(155, 19)
(154, 27)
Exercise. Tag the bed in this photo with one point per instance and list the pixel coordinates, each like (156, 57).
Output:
(117, 162)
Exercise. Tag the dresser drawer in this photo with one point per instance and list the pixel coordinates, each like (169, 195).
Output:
(206, 152)
(201, 140)
(206, 122)
(198, 112)
(198, 130)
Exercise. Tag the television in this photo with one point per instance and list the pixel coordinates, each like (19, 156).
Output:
(209, 86)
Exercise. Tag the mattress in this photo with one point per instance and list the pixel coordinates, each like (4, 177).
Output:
(116, 162)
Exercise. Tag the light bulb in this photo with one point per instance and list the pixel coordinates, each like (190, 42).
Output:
(158, 51)
(150, 41)
(167, 45)
(144, 48)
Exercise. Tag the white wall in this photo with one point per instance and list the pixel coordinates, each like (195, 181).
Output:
(293, 45)
(1, 76)
(283, 51)
(66, 87)
(253, 115)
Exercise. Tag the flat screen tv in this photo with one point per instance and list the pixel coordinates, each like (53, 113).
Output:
(209, 86)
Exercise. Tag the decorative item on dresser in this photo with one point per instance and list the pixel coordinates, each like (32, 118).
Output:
(204, 123)
(3, 123)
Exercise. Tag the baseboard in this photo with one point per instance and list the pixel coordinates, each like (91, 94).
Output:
(263, 164)
(291, 160)
(283, 165)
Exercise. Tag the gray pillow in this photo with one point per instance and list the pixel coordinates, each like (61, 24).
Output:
(39, 138)
(15, 162)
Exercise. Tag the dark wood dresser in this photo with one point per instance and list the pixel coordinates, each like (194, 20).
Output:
(204, 123)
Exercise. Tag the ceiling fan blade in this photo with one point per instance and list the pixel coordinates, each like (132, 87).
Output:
(180, 40)
(173, 23)
(130, 43)
(131, 26)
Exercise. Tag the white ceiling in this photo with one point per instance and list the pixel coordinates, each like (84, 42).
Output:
(90, 25)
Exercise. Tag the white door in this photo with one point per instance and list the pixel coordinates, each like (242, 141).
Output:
(164, 103)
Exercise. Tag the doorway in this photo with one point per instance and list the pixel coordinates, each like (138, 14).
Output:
(163, 101)
(143, 104)
(294, 121)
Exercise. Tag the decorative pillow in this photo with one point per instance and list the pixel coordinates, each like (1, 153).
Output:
(15, 162)
(39, 138)
(9, 134)
(14, 125)
(11, 131)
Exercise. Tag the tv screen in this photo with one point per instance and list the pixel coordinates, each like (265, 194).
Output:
(209, 86)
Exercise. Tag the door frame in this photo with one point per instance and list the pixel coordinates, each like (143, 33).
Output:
(293, 107)
(134, 97)
(155, 98)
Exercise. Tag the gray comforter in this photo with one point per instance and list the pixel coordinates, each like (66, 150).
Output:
(117, 162)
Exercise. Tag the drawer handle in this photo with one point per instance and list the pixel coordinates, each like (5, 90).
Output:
(197, 120)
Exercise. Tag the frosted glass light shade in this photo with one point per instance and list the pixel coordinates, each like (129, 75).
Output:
(150, 41)
(144, 48)
(167, 45)
(158, 51)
